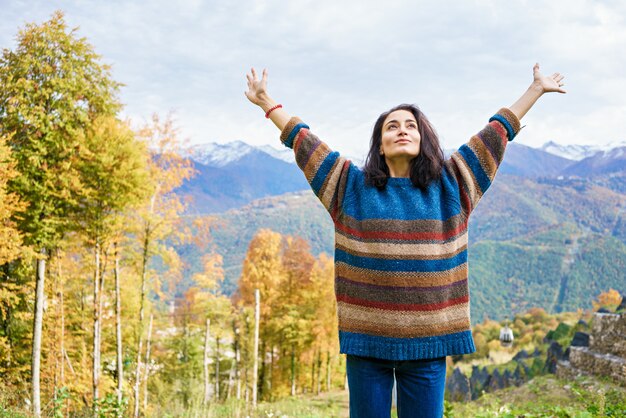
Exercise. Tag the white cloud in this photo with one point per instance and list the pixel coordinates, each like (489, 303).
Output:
(339, 64)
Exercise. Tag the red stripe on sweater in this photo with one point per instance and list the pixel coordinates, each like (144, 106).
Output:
(402, 306)
(504, 135)
(402, 235)
(298, 139)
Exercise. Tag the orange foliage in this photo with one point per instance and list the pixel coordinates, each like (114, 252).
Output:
(609, 300)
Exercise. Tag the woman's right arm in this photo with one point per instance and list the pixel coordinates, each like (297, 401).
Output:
(257, 94)
(325, 170)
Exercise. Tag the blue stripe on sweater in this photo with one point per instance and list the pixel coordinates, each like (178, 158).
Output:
(474, 164)
(509, 129)
(390, 348)
(323, 171)
(400, 265)
(289, 141)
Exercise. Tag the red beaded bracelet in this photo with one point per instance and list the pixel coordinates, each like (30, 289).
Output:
(278, 106)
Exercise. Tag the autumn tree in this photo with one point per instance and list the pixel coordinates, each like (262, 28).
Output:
(293, 317)
(324, 325)
(13, 290)
(113, 172)
(53, 86)
(608, 300)
(159, 222)
(263, 270)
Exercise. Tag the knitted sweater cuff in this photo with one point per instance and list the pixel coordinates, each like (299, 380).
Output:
(290, 131)
(510, 122)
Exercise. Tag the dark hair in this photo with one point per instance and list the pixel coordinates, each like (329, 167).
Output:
(425, 168)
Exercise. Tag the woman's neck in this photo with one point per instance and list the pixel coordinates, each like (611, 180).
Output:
(399, 167)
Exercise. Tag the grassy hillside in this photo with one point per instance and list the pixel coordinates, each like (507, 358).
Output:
(547, 396)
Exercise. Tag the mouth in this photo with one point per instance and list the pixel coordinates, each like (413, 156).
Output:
(402, 141)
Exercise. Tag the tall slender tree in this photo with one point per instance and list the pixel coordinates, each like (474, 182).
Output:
(113, 172)
(53, 86)
(159, 220)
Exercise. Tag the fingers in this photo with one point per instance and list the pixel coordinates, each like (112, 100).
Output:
(252, 77)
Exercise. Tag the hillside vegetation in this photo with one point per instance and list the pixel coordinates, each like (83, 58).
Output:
(547, 242)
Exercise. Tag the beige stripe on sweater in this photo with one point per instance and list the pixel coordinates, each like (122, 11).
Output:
(401, 278)
(433, 251)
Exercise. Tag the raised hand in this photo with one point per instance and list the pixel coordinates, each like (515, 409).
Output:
(541, 84)
(548, 84)
(257, 89)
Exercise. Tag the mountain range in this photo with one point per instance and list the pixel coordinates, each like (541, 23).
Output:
(550, 232)
(232, 175)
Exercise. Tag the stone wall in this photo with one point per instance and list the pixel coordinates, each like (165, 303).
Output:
(606, 354)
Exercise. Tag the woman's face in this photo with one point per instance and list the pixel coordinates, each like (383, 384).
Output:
(400, 137)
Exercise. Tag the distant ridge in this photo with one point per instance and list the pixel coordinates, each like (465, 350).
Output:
(579, 152)
(602, 162)
(232, 175)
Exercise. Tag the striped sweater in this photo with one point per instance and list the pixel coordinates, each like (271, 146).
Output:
(401, 271)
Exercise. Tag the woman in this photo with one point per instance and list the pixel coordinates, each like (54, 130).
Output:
(401, 244)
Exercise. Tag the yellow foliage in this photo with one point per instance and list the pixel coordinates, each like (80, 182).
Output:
(9, 203)
(609, 300)
(537, 314)
(493, 345)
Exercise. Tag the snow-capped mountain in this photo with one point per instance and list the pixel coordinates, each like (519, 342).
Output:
(602, 162)
(220, 155)
(579, 152)
(285, 154)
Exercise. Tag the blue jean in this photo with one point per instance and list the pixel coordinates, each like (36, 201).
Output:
(420, 387)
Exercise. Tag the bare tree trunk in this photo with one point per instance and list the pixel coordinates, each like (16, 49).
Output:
(270, 373)
(96, 327)
(237, 363)
(37, 327)
(62, 342)
(69, 363)
(255, 370)
(137, 377)
(319, 371)
(62, 307)
(231, 380)
(207, 391)
(118, 330)
(56, 335)
(144, 267)
(293, 370)
(147, 366)
(217, 368)
(313, 371)
(232, 374)
(328, 370)
(262, 369)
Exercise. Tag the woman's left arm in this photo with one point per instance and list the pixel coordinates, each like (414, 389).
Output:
(475, 164)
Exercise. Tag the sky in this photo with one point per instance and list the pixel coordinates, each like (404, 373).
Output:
(340, 64)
